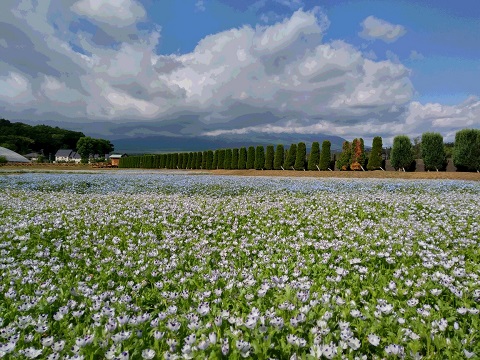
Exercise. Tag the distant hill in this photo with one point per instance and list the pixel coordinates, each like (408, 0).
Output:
(158, 143)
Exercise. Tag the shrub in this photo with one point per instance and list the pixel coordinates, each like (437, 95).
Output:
(402, 153)
(279, 157)
(242, 158)
(466, 151)
(269, 157)
(251, 157)
(290, 157)
(343, 162)
(433, 152)
(259, 157)
(300, 156)
(3, 160)
(325, 156)
(314, 157)
(375, 158)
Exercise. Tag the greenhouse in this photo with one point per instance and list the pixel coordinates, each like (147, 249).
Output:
(12, 156)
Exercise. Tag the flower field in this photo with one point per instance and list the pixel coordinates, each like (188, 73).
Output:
(149, 266)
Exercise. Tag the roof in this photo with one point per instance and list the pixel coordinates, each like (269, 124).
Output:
(117, 156)
(75, 155)
(32, 155)
(12, 156)
(63, 153)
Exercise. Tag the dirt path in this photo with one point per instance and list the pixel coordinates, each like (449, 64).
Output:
(287, 173)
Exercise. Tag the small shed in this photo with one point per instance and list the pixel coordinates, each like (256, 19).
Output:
(115, 159)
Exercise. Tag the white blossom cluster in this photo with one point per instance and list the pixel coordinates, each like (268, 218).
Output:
(149, 266)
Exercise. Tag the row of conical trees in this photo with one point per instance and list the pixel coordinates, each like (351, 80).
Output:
(259, 158)
(466, 156)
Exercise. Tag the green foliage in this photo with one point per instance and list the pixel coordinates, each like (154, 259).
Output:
(242, 158)
(259, 157)
(279, 158)
(204, 159)
(343, 162)
(375, 158)
(291, 156)
(325, 156)
(24, 138)
(401, 156)
(235, 159)
(88, 146)
(215, 160)
(269, 157)
(433, 152)
(300, 156)
(314, 158)
(221, 159)
(210, 159)
(228, 159)
(251, 157)
(466, 152)
(3, 160)
(194, 160)
(198, 163)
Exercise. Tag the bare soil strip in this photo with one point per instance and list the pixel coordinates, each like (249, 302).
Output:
(281, 173)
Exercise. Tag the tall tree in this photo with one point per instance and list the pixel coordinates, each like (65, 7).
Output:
(401, 156)
(466, 151)
(433, 151)
(85, 147)
(269, 157)
(204, 160)
(290, 157)
(209, 159)
(221, 159)
(235, 159)
(325, 156)
(259, 157)
(198, 163)
(314, 158)
(300, 156)
(215, 160)
(343, 162)
(242, 158)
(357, 161)
(228, 159)
(375, 158)
(279, 159)
(251, 157)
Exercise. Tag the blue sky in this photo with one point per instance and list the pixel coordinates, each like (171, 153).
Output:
(192, 67)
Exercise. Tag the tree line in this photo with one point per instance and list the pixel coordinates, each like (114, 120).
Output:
(466, 156)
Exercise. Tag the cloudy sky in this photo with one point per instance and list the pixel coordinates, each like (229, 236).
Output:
(215, 67)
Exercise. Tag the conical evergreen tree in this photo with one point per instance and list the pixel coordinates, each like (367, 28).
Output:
(228, 159)
(300, 156)
(314, 158)
(251, 157)
(269, 157)
(242, 158)
(209, 164)
(279, 157)
(343, 162)
(375, 158)
(325, 156)
(290, 157)
(259, 157)
(235, 159)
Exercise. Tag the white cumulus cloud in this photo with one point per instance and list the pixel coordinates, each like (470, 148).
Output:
(116, 13)
(374, 28)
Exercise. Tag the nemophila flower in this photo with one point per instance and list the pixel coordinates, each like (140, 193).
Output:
(395, 350)
(374, 339)
(148, 354)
